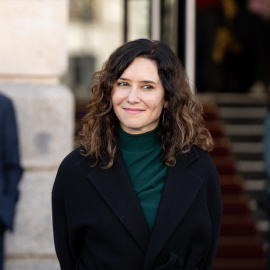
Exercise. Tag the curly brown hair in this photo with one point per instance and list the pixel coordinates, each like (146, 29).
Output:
(181, 123)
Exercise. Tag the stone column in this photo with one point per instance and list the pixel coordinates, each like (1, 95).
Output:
(33, 56)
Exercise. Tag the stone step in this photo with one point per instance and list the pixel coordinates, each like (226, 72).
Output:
(247, 147)
(242, 113)
(239, 120)
(243, 130)
(247, 151)
(254, 185)
(262, 225)
(250, 166)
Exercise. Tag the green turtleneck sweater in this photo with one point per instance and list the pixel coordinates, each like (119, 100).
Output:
(142, 157)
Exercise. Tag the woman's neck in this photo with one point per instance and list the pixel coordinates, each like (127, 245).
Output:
(138, 142)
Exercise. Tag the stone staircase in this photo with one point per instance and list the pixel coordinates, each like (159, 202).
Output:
(243, 118)
(236, 123)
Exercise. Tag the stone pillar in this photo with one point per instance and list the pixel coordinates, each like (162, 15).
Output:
(33, 56)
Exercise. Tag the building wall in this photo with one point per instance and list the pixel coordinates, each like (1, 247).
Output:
(33, 57)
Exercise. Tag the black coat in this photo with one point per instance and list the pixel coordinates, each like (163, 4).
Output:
(99, 224)
(10, 170)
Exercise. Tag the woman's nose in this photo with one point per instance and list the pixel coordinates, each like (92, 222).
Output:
(133, 96)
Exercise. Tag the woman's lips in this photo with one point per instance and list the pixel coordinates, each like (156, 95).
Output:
(133, 110)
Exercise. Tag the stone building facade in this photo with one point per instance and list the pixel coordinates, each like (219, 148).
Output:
(33, 57)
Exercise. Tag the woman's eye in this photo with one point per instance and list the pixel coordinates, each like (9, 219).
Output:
(122, 84)
(147, 86)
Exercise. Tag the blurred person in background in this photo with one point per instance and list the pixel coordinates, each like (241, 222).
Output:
(142, 191)
(256, 37)
(10, 170)
(259, 11)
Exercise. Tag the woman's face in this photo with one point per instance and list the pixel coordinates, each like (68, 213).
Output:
(138, 97)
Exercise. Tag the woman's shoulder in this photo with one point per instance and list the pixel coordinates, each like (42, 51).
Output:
(72, 169)
(69, 160)
(197, 154)
(200, 160)
(204, 156)
(199, 150)
(75, 160)
(72, 156)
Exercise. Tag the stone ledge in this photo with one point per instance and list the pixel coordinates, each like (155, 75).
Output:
(31, 265)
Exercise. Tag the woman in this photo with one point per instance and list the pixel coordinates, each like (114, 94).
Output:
(141, 192)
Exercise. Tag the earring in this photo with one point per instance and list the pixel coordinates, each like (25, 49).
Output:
(163, 117)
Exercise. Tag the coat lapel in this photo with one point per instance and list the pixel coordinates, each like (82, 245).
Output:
(180, 189)
(116, 189)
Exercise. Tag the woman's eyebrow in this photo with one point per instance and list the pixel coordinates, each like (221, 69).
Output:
(143, 81)
(124, 79)
(149, 82)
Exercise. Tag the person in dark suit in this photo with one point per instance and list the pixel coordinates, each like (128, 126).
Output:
(141, 192)
(10, 169)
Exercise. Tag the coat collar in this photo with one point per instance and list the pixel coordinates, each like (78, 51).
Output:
(114, 186)
(180, 189)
